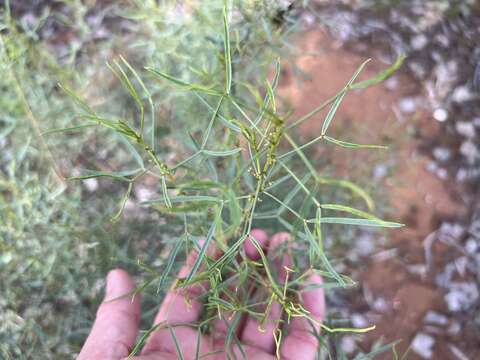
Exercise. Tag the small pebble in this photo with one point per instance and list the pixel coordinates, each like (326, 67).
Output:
(359, 321)
(407, 105)
(461, 296)
(461, 94)
(435, 318)
(348, 344)
(91, 184)
(442, 174)
(440, 114)
(441, 153)
(471, 246)
(465, 128)
(423, 344)
(143, 193)
(419, 41)
(469, 150)
(391, 83)
(380, 305)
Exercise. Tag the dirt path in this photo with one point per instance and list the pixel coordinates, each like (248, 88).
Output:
(383, 115)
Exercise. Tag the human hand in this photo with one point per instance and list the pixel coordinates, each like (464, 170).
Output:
(116, 326)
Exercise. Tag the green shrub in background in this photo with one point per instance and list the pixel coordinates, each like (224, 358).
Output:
(200, 127)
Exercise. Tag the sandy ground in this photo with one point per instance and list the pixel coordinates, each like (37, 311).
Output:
(418, 197)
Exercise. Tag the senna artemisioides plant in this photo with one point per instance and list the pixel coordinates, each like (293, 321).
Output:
(237, 165)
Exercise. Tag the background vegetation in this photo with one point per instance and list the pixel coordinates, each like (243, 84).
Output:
(58, 238)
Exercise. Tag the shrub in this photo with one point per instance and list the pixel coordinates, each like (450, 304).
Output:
(202, 124)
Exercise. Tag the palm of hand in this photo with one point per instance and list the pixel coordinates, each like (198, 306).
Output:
(117, 323)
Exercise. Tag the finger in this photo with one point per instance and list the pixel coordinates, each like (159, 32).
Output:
(180, 306)
(227, 319)
(261, 237)
(116, 325)
(260, 334)
(301, 343)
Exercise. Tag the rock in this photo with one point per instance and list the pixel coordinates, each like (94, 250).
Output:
(461, 94)
(359, 321)
(391, 83)
(471, 246)
(365, 244)
(442, 173)
(348, 344)
(462, 175)
(423, 344)
(91, 184)
(465, 128)
(418, 42)
(442, 40)
(407, 105)
(380, 171)
(380, 304)
(442, 153)
(432, 167)
(461, 296)
(449, 231)
(435, 318)
(418, 69)
(469, 150)
(144, 194)
(461, 265)
(440, 114)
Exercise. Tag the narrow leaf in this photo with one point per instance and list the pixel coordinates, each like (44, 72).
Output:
(202, 252)
(360, 222)
(165, 193)
(219, 153)
(353, 145)
(169, 265)
(184, 198)
(60, 130)
(381, 76)
(227, 54)
(350, 210)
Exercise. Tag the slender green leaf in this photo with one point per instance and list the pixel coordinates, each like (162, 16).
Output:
(331, 112)
(339, 99)
(350, 210)
(168, 267)
(227, 53)
(184, 198)
(133, 151)
(72, 128)
(123, 203)
(210, 124)
(321, 255)
(355, 189)
(220, 153)
(120, 175)
(360, 222)
(81, 103)
(166, 197)
(143, 339)
(182, 84)
(202, 252)
(381, 76)
(175, 341)
(353, 145)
